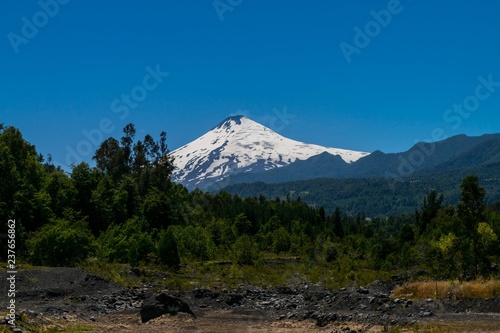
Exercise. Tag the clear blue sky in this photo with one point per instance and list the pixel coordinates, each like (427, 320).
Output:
(251, 57)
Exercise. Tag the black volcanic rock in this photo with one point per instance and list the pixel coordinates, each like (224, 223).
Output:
(162, 304)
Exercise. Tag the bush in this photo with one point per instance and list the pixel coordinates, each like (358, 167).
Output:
(330, 251)
(194, 242)
(245, 251)
(126, 243)
(168, 252)
(61, 243)
(281, 240)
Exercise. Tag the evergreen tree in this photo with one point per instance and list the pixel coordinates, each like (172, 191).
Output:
(338, 230)
(428, 211)
(168, 252)
(470, 211)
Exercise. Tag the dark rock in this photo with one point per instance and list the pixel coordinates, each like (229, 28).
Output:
(205, 293)
(163, 304)
(362, 290)
(286, 291)
(234, 299)
(398, 277)
(324, 319)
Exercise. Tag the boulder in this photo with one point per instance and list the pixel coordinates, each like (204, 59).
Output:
(363, 291)
(324, 319)
(234, 299)
(162, 304)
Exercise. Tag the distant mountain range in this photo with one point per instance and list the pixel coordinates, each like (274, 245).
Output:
(249, 159)
(456, 154)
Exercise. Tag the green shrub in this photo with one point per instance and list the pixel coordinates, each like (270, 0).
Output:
(61, 243)
(167, 248)
(330, 251)
(194, 242)
(245, 250)
(126, 243)
(281, 240)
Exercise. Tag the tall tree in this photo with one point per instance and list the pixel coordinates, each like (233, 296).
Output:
(470, 212)
(163, 164)
(22, 193)
(126, 146)
(428, 211)
(338, 230)
(109, 158)
(168, 252)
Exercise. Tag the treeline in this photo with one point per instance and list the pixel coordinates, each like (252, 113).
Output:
(376, 196)
(127, 210)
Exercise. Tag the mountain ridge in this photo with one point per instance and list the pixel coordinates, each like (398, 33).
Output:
(457, 153)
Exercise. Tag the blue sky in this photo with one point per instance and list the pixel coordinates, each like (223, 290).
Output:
(396, 84)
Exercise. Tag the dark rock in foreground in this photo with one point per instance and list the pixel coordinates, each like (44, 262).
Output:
(163, 304)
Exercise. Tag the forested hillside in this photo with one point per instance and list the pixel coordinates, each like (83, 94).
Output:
(372, 196)
(127, 210)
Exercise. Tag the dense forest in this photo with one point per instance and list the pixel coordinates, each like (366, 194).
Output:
(127, 210)
(374, 196)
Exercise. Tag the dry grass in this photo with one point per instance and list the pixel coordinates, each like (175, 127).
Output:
(441, 289)
(455, 327)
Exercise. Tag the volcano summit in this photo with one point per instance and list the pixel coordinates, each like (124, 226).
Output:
(240, 145)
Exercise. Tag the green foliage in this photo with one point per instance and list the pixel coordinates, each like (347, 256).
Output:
(470, 212)
(157, 209)
(21, 192)
(242, 226)
(245, 250)
(281, 240)
(61, 191)
(330, 251)
(126, 243)
(428, 211)
(194, 242)
(61, 243)
(338, 229)
(167, 249)
(135, 215)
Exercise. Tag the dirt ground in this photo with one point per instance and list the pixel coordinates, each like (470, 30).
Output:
(220, 321)
(252, 321)
(75, 301)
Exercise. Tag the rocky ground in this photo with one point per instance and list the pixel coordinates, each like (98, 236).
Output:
(70, 295)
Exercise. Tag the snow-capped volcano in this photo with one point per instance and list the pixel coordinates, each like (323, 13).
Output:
(237, 145)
